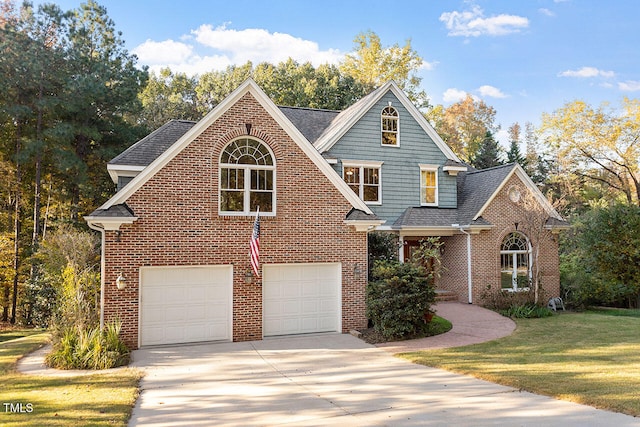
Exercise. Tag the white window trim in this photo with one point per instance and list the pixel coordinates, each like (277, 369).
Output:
(365, 164)
(514, 274)
(429, 168)
(397, 132)
(247, 179)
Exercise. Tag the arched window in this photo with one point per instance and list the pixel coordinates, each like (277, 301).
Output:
(515, 262)
(389, 122)
(247, 178)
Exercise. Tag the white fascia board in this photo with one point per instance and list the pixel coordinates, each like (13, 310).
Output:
(424, 123)
(454, 170)
(526, 180)
(330, 139)
(107, 223)
(137, 182)
(366, 163)
(116, 171)
(427, 231)
(249, 86)
(364, 225)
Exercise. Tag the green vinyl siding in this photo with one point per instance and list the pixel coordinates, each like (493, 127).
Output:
(400, 171)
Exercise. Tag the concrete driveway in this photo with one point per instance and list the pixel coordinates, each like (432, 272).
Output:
(327, 380)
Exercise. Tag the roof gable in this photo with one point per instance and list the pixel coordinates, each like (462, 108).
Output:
(345, 120)
(249, 86)
(480, 187)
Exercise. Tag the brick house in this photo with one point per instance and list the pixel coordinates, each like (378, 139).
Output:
(175, 236)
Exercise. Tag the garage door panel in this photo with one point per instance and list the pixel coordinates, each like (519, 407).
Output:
(185, 304)
(301, 298)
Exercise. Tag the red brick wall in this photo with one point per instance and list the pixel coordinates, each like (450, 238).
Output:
(485, 248)
(179, 225)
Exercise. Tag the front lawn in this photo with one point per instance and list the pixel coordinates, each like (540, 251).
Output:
(25, 400)
(591, 358)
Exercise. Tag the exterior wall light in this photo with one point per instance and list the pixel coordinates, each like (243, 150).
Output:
(248, 277)
(121, 282)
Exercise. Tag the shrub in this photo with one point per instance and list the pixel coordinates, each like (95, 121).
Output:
(89, 349)
(526, 311)
(397, 299)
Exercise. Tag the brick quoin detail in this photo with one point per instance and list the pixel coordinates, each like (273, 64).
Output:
(179, 225)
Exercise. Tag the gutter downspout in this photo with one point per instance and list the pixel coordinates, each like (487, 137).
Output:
(469, 281)
(102, 268)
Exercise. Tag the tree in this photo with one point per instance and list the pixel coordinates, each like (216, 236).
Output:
(168, 96)
(464, 125)
(534, 225)
(514, 155)
(600, 145)
(100, 91)
(488, 154)
(605, 255)
(373, 65)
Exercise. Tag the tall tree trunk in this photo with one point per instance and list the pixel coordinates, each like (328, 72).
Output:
(17, 228)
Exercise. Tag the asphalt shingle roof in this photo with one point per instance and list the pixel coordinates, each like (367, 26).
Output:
(311, 123)
(476, 187)
(115, 211)
(145, 151)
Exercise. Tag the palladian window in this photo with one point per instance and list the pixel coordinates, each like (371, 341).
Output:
(247, 178)
(515, 262)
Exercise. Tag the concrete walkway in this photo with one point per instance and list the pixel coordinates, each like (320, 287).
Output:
(472, 324)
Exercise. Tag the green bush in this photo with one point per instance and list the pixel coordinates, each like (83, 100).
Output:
(398, 297)
(526, 311)
(89, 349)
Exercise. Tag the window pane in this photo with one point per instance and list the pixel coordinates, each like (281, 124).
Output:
(390, 124)
(232, 179)
(261, 179)
(231, 201)
(263, 199)
(428, 195)
(429, 178)
(371, 193)
(389, 138)
(352, 175)
(371, 176)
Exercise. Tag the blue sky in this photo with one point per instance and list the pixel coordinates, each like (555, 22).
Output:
(522, 57)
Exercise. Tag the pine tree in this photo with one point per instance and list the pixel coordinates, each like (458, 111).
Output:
(514, 155)
(488, 154)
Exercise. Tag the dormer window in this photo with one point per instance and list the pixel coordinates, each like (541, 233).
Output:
(389, 121)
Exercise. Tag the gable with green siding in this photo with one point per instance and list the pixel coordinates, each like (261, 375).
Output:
(400, 173)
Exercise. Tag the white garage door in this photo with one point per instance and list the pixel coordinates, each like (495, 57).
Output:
(185, 304)
(301, 298)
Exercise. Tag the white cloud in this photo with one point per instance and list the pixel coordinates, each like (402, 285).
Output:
(213, 49)
(473, 23)
(586, 72)
(259, 45)
(546, 12)
(629, 86)
(453, 95)
(491, 91)
(151, 52)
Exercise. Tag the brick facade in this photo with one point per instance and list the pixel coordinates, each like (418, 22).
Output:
(485, 249)
(179, 225)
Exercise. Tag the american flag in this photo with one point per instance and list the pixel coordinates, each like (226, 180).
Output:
(254, 245)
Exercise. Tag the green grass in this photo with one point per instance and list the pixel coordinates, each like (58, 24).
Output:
(97, 400)
(18, 333)
(589, 358)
